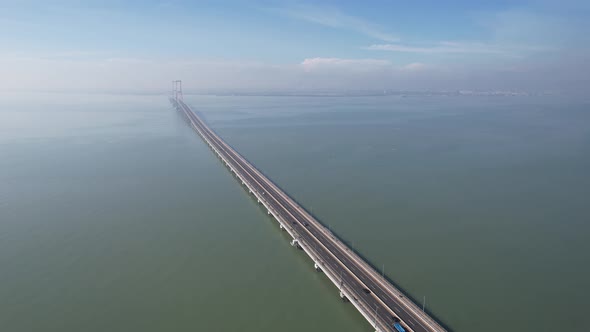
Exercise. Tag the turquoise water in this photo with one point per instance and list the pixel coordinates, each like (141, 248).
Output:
(115, 216)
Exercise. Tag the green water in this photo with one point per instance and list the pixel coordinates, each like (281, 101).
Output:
(114, 216)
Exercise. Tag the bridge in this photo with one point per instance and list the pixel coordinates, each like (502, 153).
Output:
(383, 305)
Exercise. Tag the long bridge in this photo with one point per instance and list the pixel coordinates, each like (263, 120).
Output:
(383, 305)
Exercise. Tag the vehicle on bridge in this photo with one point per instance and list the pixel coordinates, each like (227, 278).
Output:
(397, 325)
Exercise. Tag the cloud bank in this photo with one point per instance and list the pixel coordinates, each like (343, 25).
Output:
(136, 74)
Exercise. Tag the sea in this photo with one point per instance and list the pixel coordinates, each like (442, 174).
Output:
(115, 216)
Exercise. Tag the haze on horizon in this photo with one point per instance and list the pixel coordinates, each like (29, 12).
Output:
(141, 45)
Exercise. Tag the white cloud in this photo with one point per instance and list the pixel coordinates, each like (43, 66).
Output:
(333, 18)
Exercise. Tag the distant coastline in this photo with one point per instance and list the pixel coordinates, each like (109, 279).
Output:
(307, 93)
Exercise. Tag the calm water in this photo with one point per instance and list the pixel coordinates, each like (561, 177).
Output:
(114, 216)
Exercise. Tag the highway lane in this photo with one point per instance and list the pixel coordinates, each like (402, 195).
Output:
(314, 233)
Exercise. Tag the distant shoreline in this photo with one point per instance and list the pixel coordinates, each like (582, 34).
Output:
(320, 93)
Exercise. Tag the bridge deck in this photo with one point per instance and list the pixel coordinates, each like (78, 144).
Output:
(376, 298)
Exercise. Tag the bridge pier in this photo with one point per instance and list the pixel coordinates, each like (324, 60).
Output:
(295, 243)
(317, 267)
(343, 297)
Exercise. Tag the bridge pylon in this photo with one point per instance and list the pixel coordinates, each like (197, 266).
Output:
(177, 89)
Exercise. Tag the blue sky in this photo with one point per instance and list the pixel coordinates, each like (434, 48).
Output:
(526, 45)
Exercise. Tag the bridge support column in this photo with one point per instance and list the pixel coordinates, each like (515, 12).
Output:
(317, 267)
(295, 243)
(343, 297)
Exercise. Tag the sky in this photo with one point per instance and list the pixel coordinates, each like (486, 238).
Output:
(535, 45)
